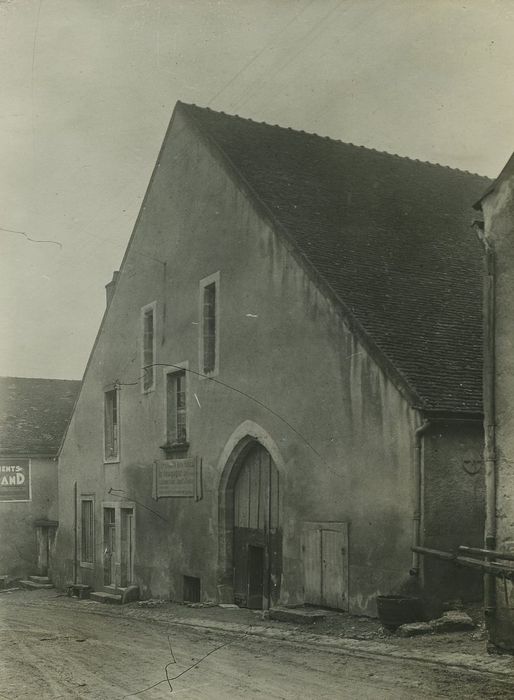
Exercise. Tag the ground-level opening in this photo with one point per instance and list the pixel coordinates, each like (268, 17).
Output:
(252, 532)
(45, 536)
(192, 589)
(118, 545)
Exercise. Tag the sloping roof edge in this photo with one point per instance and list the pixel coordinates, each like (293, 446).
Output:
(508, 169)
(385, 364)
(125, 255)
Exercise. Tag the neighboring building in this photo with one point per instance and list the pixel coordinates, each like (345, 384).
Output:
(497, 204)
(285, 391)
(34, 414)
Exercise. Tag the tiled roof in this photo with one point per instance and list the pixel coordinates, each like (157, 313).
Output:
(34, 414)
(391, 237)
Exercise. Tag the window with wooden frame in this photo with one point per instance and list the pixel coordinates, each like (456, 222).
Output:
(148, 347)
(176, 408)
(87, 530)
(209, 335)
(111, 426)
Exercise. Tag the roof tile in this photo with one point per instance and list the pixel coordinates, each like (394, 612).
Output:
(34, 414)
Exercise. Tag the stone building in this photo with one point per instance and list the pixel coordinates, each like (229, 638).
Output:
(285, 391)
(33, 416)
(497, 233)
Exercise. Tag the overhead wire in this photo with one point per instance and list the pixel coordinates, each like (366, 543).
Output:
(227, 386)
(251, 90)
(259, 53)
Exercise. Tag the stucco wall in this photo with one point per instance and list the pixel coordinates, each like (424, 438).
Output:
(453, 512)
(18, 549)
(499, 229)
(281, 342)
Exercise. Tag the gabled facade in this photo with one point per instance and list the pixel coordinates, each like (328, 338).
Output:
(34, 414)
(283, 395)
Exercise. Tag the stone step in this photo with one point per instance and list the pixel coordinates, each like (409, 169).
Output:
(102, 597)
(34, 586)
(301, 616)
(40, 579)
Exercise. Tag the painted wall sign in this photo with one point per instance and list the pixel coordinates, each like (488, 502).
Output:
(176, 478)
(15, 480)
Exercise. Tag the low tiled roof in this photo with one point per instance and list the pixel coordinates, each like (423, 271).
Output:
(34, 414)
(390, 236)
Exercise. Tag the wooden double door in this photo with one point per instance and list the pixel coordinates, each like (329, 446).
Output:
(257, 533)
(325, 564)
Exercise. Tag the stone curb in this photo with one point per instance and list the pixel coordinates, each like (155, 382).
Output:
(503, 666)
(500, 666)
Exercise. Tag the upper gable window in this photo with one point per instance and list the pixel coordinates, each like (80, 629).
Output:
(176, 407)
(111, 426)
(148, 347)
(209, 327)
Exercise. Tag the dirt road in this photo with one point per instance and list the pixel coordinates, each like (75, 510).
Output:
(50, 652)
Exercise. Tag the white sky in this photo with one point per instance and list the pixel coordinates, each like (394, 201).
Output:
(88, 87)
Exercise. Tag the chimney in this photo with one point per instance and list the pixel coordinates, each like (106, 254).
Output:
(110, 287)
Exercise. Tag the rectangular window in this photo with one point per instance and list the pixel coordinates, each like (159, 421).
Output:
(148, 358)
(87, 529)
(176, 408)
(209, 328)
(111, 426)
(209, 313)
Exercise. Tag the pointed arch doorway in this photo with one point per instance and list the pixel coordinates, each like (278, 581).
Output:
(251, 527)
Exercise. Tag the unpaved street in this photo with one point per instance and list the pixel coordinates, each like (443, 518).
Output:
(51, 652)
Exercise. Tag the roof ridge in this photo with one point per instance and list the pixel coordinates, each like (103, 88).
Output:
(334, 140)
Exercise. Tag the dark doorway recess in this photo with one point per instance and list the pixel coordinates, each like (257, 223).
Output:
(256, 570)
(192, 589)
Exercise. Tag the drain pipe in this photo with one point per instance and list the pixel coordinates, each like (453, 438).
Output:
(489, 422)
(75, 534)
(416, 518)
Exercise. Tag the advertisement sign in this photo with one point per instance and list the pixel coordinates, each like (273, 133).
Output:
(176, 478)
(14, 479)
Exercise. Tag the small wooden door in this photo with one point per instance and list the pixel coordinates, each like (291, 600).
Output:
(256, 571)
(325, 564)
(109, 547)
(311, 550)
(333, 569)
(43, 550)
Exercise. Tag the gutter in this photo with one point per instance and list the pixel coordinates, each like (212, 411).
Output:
(416, 518)
(75, 534)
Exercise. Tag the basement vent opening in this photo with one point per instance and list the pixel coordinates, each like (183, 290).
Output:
(191, 589)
